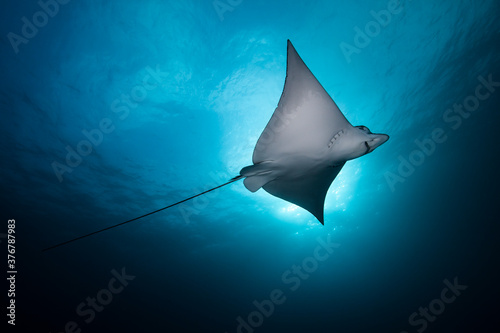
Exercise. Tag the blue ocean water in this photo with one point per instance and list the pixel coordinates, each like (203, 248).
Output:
(112, 109)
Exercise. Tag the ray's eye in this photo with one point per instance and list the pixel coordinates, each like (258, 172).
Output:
(363, 128)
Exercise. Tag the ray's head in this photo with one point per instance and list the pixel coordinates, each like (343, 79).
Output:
(371, 140)
(358, 141)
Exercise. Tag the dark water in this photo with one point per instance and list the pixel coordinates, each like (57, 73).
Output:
(111, 109)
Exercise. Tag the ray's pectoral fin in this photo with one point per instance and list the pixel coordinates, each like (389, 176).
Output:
(258, 175)
(308, 192)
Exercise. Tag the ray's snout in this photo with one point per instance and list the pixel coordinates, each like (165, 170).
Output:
(376, 141)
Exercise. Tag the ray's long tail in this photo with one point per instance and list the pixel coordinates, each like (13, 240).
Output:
(142, 216)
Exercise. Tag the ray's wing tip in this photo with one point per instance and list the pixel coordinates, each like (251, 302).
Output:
(289, 46)
(320, 217)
